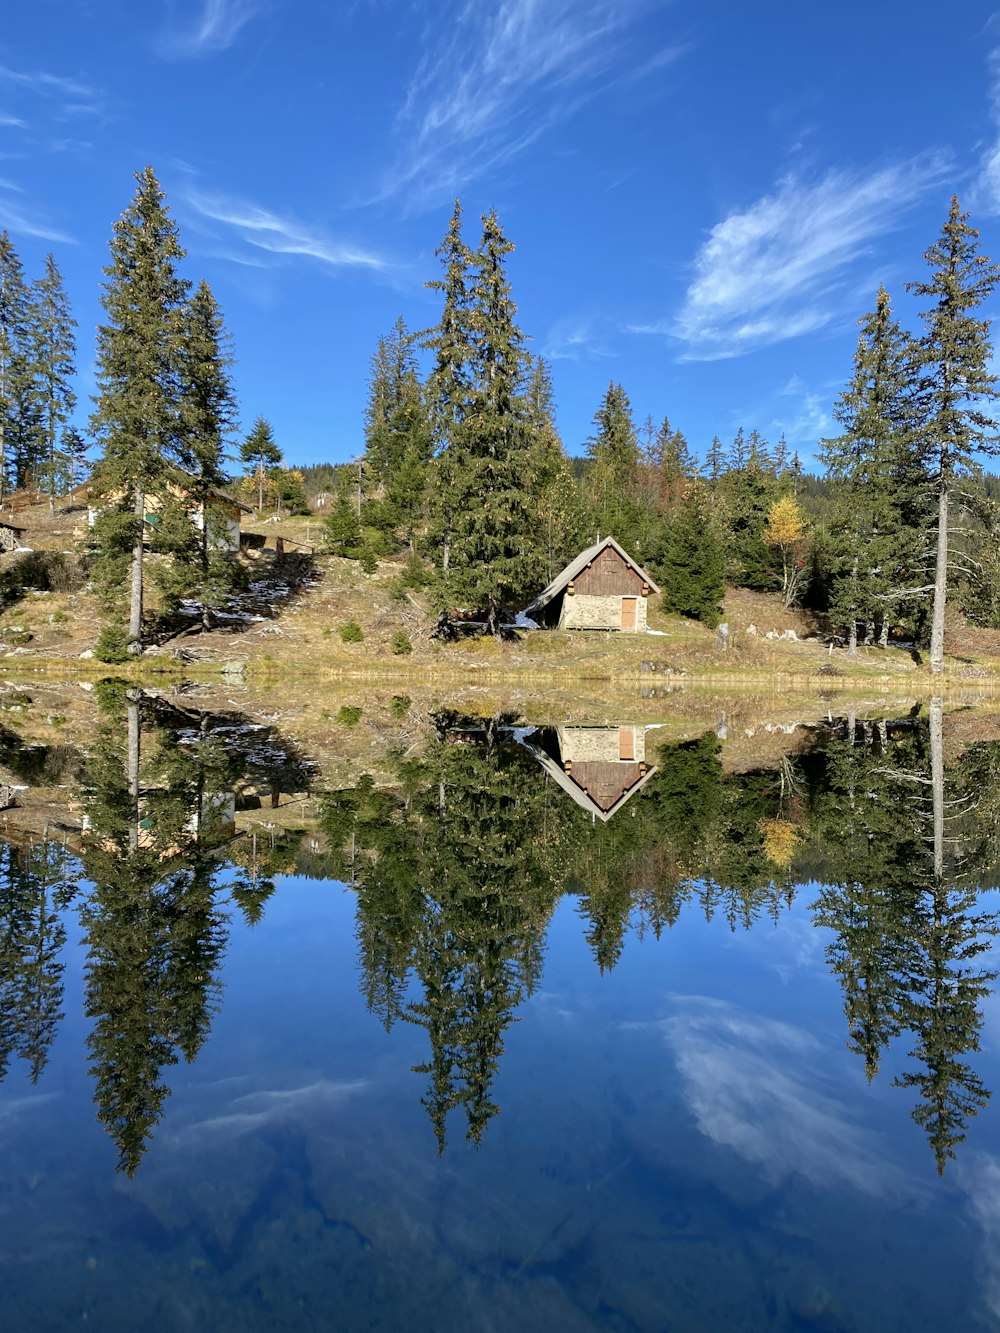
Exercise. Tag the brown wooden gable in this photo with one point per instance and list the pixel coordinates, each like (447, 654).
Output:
(606, 783)
(608, 576)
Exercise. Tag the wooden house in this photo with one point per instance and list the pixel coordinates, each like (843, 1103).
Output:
(600, 768)
(224, 513)
(10, 537)
(603, 588)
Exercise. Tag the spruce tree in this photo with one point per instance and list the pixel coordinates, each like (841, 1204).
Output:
(880, 492)
(397, 443)
(689, 561)
(54, 355)
(562, 517)
(613, 480)
(18, 407)
(137, 409)
(955, 383)
(495, 559)
(208, 419)
(260, 455)
(450, 381)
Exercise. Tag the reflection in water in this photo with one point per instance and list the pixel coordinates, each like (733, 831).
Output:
(458, 865)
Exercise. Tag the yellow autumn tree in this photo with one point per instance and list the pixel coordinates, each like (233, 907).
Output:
(787, 528)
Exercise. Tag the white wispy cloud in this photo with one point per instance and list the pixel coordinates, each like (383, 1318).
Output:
(45, 84)
(20, 216)
(758, 1086)
(263, 230)
(986, 192)
(496, 75)
(12, 122)
(573, 339)
(777, 269)
(206, 27)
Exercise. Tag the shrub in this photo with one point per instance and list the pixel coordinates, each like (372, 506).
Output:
(59, 617)
(351, 632)
(349, 715)
(401, 643)
(400, 705)
(112, 644)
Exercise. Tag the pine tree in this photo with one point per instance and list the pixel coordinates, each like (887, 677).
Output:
(715, 460)
(449, 384)
(613, 480)
(54, 354)
(878, 518)
(494, 554)
(19, 408)
(397, 443)
(137, 408)
(689, 560)
(562, 519)
(671, 466)
(208, 419)
(343, 526)
(955, 381)
(260, 455)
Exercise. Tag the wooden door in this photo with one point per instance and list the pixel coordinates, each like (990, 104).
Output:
(629, 613)
(626, 743)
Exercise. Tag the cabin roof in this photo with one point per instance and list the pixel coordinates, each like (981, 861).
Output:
(579, 564)
(582, 797)
(12, 527)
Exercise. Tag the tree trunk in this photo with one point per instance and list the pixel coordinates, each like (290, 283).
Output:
(206, 619)
(852, 637)
(940, 582)
(135, 604)
(260, 489)
(132, 761)
(937, 785)
(883, 636)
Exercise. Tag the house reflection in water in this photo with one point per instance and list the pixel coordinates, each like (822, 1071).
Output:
(601, 768)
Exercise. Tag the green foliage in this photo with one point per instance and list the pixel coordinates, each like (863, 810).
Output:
(689, 560)
(260, 455)
(112, 643)
(349, 715)
(54, 357)
(351, 632)
(613, 483)
(401, 644)
(343, 527)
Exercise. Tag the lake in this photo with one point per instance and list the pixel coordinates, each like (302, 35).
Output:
(551, 1027)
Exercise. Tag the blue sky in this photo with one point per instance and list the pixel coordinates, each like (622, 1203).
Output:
(704, 194)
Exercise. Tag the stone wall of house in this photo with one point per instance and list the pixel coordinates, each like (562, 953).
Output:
(583, 612)
(581, 745)
(8, 539)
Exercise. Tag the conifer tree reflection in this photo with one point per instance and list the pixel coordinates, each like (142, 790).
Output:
(456, 877)
(159, 810)
(36, 886)
(910, 841)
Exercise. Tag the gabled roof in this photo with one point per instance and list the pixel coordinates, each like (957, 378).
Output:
(579, 564)
(573, 789)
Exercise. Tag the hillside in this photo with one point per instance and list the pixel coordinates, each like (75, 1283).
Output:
(289, 622)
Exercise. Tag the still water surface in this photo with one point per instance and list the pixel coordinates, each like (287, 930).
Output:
(499, 1044)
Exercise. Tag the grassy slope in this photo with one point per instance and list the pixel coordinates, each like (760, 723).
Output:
(300, 639)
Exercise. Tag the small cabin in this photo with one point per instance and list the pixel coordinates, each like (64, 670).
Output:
(600, 768)
(603, 588)
(224, 513)
(10, 537)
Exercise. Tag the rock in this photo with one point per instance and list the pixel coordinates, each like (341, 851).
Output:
(87, 652)
(752, 630)
(790, 635)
